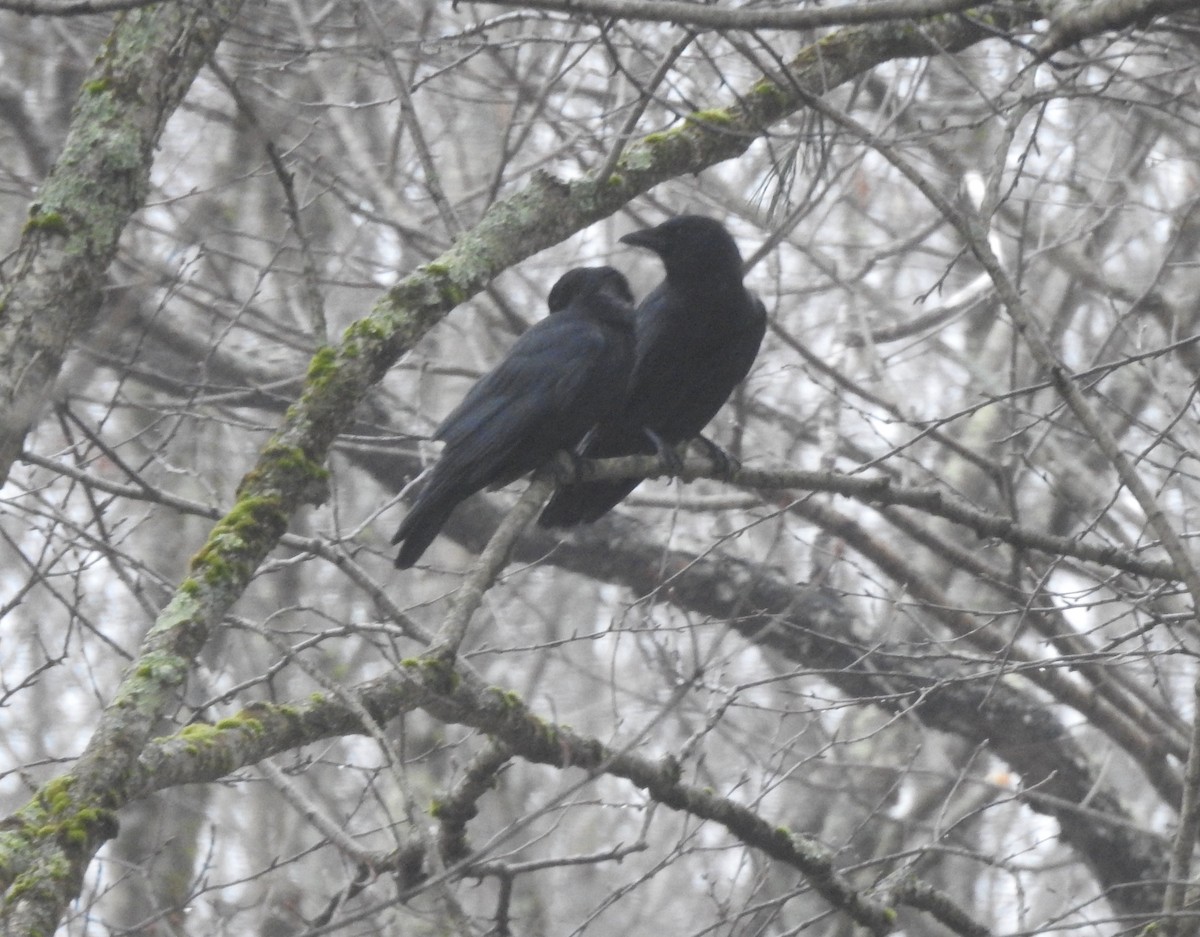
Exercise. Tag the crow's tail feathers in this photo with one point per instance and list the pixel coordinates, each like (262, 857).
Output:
(582, 504)
(423, 522)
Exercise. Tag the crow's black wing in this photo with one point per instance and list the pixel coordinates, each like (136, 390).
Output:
(539, 400)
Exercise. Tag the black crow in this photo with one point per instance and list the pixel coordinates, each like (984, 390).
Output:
(564, 375)
(698, 333)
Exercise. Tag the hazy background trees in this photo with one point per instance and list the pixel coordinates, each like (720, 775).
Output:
(926, 665)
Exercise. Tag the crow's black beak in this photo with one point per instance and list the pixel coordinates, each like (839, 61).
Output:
(650, 239)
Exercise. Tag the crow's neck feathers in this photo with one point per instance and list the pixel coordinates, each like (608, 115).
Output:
(714, 292)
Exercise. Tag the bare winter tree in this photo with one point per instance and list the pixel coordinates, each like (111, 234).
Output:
(923, 662)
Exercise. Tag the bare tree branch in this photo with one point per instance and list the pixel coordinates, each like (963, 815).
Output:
(71, 7)
(687, 14)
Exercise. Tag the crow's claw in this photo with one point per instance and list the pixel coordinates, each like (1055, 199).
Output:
(723, 463)
(668, 458)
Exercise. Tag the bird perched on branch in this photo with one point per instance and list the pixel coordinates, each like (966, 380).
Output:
(698, 333)
(564, 375)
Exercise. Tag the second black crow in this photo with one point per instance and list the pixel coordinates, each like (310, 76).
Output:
(698, 333)
(564, 375)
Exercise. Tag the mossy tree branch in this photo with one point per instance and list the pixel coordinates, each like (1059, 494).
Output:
(52, 283)
(199, 753)
(51, 291)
